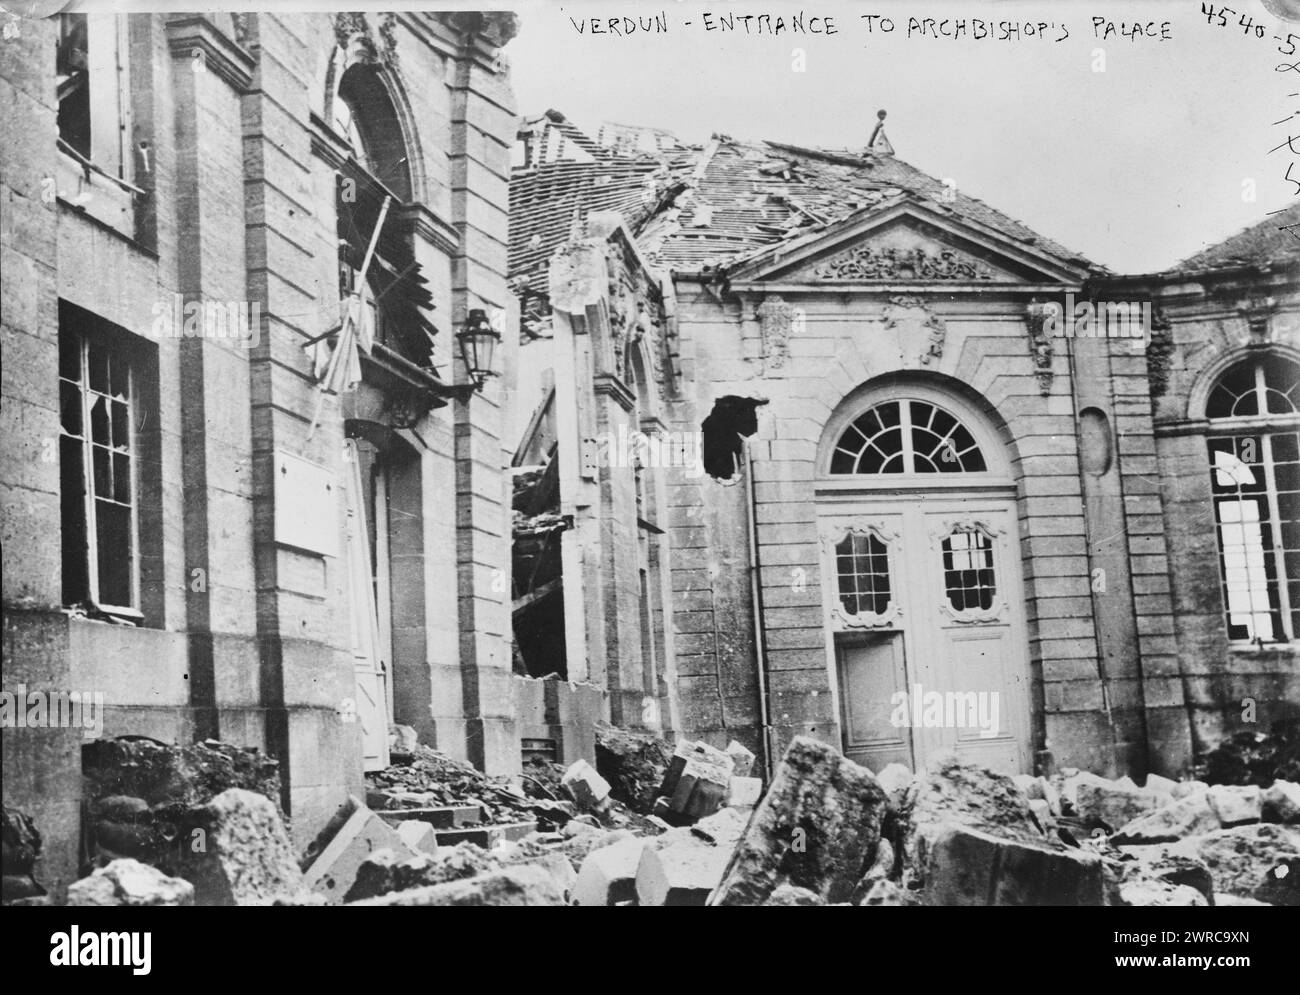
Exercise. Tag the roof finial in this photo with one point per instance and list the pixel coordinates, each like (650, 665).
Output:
(879, 144)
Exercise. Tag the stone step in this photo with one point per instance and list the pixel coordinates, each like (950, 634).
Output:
(441, 817)
(486, 836)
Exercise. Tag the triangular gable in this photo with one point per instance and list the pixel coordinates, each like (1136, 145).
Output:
(908, 243)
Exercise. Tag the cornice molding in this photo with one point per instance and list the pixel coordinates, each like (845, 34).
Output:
(190, 33)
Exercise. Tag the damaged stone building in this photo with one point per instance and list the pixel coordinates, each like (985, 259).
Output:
(822, 446)
(337, 397)
(254, 487)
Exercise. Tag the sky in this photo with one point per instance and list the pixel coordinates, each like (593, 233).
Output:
(1134, 151)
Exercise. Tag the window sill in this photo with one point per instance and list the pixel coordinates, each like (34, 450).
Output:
(96, 196)
(1243, 649)
(106, 616)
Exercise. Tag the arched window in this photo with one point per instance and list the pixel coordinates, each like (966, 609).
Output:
(905, 437)
(1254, 454)
(396, 295)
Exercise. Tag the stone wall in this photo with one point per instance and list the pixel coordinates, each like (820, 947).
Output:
(243, 636)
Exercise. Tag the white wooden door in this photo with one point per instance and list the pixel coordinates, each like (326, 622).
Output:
(926, 605)
(367, 653)
(975, 650)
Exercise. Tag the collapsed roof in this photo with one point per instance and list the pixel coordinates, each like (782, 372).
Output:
(697, 208)
(1275, 238)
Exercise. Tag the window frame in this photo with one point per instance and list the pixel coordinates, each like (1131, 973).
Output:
(832, 536)
(998, 473)
(89, 497)
(1265, 426)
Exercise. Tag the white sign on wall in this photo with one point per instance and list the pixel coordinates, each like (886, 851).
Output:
(306, 505)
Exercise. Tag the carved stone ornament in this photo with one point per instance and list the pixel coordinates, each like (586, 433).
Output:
(353, 33)
(936, 329)
(635, 314)
(866, 262)
(1258, 312)
(775, 319)
(1160, 352)
(1040, 343)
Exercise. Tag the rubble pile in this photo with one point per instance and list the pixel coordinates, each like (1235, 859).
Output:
(1256, 758)
(142, 796)
(432, 779)
(826, 832)
(633, 763)
(20, 846)
(127, 883)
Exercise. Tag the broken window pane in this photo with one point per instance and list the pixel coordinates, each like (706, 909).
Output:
(968, 570)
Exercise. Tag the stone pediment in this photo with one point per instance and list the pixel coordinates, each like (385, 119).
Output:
(905, 247)
(901, 254)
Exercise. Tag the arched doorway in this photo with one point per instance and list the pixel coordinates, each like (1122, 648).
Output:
(921, 567)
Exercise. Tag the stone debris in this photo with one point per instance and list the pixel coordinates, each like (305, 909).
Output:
(403, 741)
(633, 763)
(1141, 863)
(433, 780)
(953, 793)
(744, 792)
(141, 794)
(788, 894)
(888, 893)
(1259, 861)
(1159, 893)
(681, 867)
(1111, 806)
(241, 855)
(130, 883)
(695, 784)
(387, 871)
(20, 847)
(435, 831)
(1280, 802)
(896, 781)
(1190, 815)
(353, 835)
(967, 866)
(608, 875)
(742, 759)
(525, 885)
(417, 837)
(1184, 788)
(816, 828)
(1236, 805)
(585, 786)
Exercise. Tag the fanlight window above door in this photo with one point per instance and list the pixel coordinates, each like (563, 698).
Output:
(906, 437)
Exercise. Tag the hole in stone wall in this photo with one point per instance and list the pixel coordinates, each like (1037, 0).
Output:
(731, 421)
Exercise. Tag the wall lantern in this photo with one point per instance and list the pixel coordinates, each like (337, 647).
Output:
(478, 341)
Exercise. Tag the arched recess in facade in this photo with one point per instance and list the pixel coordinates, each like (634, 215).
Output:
(360, 88)
(923, 576)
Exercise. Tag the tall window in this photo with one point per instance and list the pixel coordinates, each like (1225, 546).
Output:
(1254, 457)
(90, 79)
(97, 465)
